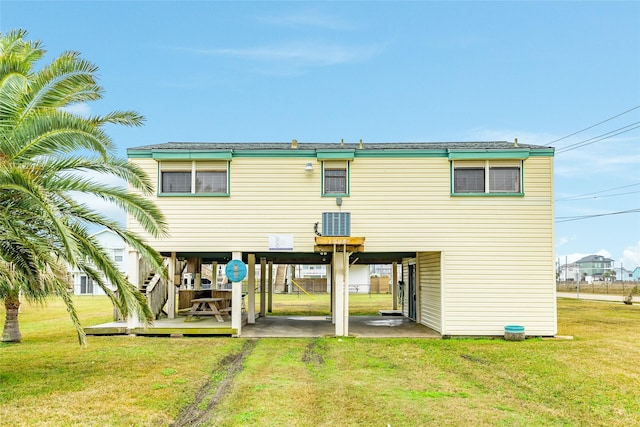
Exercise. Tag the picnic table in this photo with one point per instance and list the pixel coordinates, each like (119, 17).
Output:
(208, 307)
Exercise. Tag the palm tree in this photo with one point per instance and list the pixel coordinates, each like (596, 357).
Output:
(45, 154)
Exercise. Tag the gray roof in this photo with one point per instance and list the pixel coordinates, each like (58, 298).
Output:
(491, 145)
(594, 258)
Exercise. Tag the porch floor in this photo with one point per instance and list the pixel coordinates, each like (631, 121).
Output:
(275, 327)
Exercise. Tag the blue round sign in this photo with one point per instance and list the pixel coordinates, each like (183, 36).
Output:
(235, 270)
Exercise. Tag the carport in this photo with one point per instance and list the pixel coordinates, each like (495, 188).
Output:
(337, 253)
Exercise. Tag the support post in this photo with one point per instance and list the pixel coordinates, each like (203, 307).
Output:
(236, 300)
(270, 285)
(134, 278)
(263, 286)
(171, 288)
(341, 314)
(251, 291)
(394, 284)
(345, 310)
(333, 285)
(214, 276)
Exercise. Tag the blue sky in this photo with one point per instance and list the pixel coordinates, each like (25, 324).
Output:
(214, 71)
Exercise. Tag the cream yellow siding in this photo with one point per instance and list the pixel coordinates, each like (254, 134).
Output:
(430, 294)
(493, 254)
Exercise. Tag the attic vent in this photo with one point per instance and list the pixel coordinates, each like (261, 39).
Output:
(336, 223)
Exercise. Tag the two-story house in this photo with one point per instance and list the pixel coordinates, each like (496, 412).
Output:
(452, 215)
(593, 266)
(116, 248)
(569, 272)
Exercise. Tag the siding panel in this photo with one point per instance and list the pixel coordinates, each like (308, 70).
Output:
(497, 252)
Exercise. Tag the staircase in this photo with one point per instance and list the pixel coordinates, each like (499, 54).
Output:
(155, 289)
(281, 275)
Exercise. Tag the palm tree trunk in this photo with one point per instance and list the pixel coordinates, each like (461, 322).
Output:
(11, 331)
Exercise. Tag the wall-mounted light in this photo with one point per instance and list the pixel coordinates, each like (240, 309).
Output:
(308, 167)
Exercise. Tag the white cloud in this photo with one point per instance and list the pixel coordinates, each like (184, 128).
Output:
(309, 18)
(311, 54)
(81, 109)
(290, 59)
(631, 257)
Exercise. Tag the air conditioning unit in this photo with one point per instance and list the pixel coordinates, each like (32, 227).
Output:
(336, 223)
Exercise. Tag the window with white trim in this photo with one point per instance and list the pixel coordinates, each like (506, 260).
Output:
(118, 255)
(487, 177)
(194, 177)
(86, 285)
(335, 178)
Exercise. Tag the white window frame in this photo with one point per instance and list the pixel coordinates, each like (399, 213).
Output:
(88, 285)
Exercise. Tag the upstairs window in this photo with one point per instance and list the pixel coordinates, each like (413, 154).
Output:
(211, 181)
(176, 182)
(487, 177)
(335, 179)
(468, 180)
(504, 179)
(118, 255)
(194, 177)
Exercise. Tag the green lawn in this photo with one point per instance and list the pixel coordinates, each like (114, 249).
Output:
(592, 380)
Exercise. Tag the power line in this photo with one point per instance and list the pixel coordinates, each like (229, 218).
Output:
(601, 197)
(592, 126)
(580, 196)
(577, 218)
(598, 138)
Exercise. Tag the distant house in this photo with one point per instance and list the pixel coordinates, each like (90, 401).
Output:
(636, 274)
(623, 274)
(116, 248)
(568, 272)
(594, 266)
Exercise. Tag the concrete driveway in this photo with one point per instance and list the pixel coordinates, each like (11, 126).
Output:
(320, 326)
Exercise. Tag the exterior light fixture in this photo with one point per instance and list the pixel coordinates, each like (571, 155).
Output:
(308, 167)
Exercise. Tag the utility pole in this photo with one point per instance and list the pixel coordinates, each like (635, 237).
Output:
(578, 287)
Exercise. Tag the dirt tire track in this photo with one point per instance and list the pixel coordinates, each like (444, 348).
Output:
(210, 393)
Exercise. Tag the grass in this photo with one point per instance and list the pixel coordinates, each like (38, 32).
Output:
(320, 304)
(121, 381)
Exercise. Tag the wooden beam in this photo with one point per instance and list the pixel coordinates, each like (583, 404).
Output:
(339, 240)
(263, 286)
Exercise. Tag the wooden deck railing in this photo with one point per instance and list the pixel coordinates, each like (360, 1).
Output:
(157, 292)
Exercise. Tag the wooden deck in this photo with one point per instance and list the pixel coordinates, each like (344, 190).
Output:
(274, 327)
(196, 326)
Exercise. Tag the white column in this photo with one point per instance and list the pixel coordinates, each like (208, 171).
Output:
(341, 293)
(236, 300)
(251, 296)
(394, 285)
(171, 288)
(214, 276)
(133, 274)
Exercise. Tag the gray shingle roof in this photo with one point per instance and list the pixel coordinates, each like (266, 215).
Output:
(594, 258)
(491, 145)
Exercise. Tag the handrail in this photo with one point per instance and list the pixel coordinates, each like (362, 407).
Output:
(157, 292)
(300, 287)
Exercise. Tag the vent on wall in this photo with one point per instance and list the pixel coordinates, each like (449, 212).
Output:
(336, 223)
